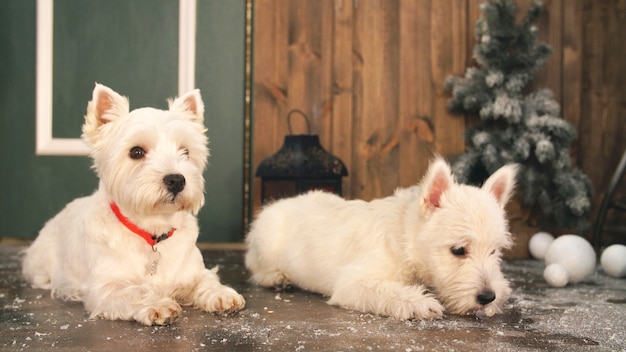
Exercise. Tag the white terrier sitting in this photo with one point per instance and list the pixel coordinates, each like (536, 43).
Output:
(413, 255)
(112, 250)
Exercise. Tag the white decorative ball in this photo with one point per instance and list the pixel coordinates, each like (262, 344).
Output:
(573, 253)
(556, 275)
(539, 243)
(613, 260)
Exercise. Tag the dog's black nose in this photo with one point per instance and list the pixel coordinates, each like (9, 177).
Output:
(174, 183)
(486, 297)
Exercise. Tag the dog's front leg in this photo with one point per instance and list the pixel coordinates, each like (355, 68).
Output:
(386, 297)
(208, 294)
(143, 303)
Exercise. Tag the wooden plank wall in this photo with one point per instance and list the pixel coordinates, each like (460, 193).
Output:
(602, 124)
(370, 73)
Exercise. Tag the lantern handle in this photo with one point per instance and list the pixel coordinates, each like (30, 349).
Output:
(306, 119)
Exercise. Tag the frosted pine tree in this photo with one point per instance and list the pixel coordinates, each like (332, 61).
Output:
(516, 126)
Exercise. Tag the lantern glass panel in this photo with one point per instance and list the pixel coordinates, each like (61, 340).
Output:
(276, 189)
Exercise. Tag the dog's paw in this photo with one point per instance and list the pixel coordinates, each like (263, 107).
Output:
(223, 300)
(275, 279)
(162, 313)
(428, 308)
(418, 307)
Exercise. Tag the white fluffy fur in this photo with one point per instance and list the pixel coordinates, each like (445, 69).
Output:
(391, 256)
(85, 254)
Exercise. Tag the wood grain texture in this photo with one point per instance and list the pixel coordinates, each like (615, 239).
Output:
(572, 67)
(602, 126)
(342, 106)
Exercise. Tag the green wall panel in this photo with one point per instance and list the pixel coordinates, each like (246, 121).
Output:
(220, 75)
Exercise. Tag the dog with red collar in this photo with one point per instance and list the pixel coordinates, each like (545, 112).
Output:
(128, 251)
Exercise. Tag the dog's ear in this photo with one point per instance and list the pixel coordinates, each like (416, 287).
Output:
(105, 106)
(438, 179)
(502, 183)
(189, 104)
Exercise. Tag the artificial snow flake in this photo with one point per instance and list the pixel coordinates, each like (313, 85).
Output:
(494, 78)
(578, 203)
(515, 83)
(486, 112)
(471, 73)
(522, 147)
(507, 107)
(480, 138)
(544, 151)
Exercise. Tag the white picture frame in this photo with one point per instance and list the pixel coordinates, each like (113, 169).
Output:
(45, 142)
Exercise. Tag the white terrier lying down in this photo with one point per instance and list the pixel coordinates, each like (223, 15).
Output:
(414, 255)
(112, 250)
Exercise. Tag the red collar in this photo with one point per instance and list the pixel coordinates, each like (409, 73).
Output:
(152, 239)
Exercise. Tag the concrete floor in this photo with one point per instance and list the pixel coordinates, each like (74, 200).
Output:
(590, 316)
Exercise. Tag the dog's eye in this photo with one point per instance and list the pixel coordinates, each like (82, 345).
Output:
(185, 152)
(458, 251)
(137, 153)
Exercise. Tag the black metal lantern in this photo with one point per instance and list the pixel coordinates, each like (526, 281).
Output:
(299, 166)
